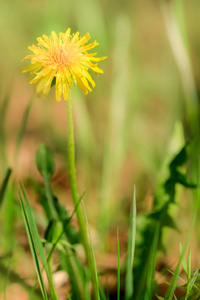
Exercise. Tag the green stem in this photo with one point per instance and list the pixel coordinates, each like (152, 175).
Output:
(74, 191)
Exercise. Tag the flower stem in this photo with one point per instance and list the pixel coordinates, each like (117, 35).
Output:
(75, 197)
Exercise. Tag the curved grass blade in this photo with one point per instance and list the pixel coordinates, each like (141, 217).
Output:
(4, 184)
(22, 128)
(152, 264)
(3, 140)
(64, 228)
(33, 248)
(131, 250)
(36, 245)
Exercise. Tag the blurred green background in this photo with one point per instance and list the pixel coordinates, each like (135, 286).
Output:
(124, 126)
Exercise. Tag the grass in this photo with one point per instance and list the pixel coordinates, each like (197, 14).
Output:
(139, 126)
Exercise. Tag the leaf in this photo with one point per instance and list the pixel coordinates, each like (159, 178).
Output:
(164, 217)
(44, 160)
(180, 158)
(163, 200)
(53, 231)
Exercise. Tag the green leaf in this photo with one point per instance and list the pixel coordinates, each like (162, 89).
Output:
(44, 160)
(180, 158)
(53, 231)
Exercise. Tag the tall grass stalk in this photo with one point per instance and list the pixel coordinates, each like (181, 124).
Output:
(118, 269)
(129, 290)
(92, 250)
(22, 129)
(152, 265)
(115, 129)
(3, 138)
(177, 38)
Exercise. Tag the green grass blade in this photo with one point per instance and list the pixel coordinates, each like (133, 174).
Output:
(64, 229)
(68, 296)
(4, 184)
(131, 250)
(93, 255)
(22, 128)
(118, 270)
(37, 242)
(33, 248)
(152, 264)
(115, 148)
(35, 232)
(193, 280)
(103, 295)
(3, 140)
(177, 41)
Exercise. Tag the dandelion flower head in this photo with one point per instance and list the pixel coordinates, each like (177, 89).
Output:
(62, 59)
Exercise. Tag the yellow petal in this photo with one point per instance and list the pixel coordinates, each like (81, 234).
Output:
(84, 39)
(75, 37)
(88, 76)
(32, 68)
(80, 84)
(42, 43)
(30, 56)
(34, 48)
(85, 82)
(42, 73)
(58, 87)
(65, 91)
(69, 79)
(98, 58)
(97, 70)
(54, 35)
(90, 46)
(40, 86)
(46, 39)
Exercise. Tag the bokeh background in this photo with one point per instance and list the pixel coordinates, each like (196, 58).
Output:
(124, 127)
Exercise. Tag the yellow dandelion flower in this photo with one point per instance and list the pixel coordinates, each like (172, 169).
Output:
(65, 59)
